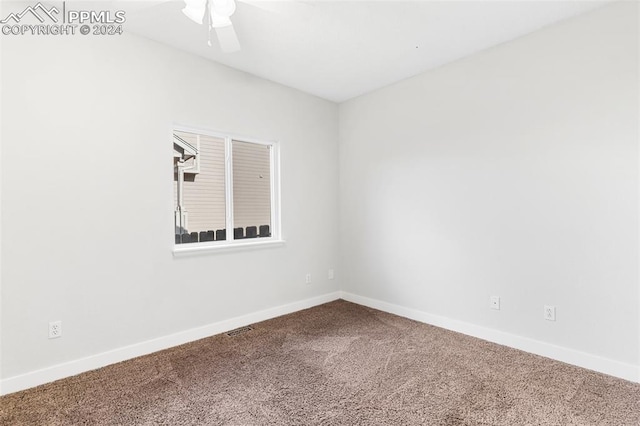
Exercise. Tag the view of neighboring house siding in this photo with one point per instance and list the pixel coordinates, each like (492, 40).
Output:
(251, 184)
(204, 192)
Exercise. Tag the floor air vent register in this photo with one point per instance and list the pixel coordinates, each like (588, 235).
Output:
(238, 331)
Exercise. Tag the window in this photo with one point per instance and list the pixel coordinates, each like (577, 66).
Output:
(225, 190)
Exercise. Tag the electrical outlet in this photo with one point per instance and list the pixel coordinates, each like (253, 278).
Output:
(55, 329)
(307, 278)
(495, 303)
(330, 274)
(549, 313)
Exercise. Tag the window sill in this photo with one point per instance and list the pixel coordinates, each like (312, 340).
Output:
(179, 251)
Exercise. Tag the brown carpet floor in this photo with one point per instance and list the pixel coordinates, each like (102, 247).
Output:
(335, 364)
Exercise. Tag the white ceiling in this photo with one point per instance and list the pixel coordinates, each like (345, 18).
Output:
(341, 49)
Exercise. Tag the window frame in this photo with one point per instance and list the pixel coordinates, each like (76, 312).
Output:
(274, 169)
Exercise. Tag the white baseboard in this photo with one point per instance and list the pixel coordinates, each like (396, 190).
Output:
(71, 368)
(611, 367)
(603, 365)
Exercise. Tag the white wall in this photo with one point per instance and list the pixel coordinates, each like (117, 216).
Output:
(512, 173)
(87, 222)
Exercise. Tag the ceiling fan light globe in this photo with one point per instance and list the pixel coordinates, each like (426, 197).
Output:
(218, 21)
(224, 8)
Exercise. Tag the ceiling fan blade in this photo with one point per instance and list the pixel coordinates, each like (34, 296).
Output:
(228, 39)
(195, 10)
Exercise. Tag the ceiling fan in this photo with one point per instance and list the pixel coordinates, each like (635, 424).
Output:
(218, 18)
(217, 14)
